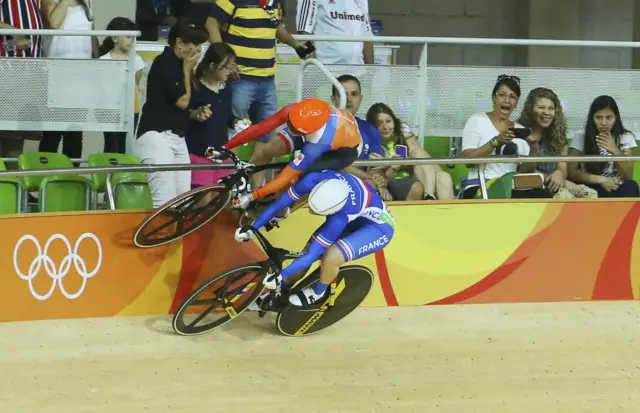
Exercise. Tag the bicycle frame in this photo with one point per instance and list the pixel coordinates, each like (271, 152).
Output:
(277, 256)
(239, 179)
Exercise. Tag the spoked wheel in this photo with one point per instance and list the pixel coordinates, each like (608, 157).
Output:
(182, 215)
(219, 300)
(352, 286)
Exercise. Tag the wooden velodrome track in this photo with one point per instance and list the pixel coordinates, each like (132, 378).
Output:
(567, 357)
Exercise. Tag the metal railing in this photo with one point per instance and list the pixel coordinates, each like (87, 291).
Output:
(421, 81)
(480, 161)
(328, 74)
(129, 125)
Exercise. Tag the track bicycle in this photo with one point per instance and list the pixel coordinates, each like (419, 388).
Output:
(225, 296)
(186, 213)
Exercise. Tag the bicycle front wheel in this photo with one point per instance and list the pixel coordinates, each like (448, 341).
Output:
(182, 215)
(219, 300)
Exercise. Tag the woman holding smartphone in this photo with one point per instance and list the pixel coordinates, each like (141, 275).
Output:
(494, 133)
(418, 182)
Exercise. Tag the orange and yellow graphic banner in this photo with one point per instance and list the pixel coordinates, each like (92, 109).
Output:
(85, 265)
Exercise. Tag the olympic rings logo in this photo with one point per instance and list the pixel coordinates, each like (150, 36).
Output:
(57, 273)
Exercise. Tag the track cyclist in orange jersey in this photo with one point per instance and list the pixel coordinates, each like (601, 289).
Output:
(327, 137)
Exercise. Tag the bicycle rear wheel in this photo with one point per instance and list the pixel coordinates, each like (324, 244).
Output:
(182, 215)
(229, 294)
(353, 284)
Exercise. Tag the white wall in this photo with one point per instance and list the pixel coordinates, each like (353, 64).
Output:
(105, 10)
(559, 19)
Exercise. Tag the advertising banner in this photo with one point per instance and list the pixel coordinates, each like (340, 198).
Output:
(85, 265)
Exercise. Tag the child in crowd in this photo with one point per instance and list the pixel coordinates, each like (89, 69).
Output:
(210, 89)
(117, 47)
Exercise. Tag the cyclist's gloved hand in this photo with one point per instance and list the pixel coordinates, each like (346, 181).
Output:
(243, 235)
(213, 155)
(243, 201)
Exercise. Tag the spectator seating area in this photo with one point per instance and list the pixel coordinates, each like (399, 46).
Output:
(69, 192)
(59, 193)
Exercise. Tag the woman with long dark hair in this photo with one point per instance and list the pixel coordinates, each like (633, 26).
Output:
(604, 134)
(210, 89)
(419, 182)
(117, 48)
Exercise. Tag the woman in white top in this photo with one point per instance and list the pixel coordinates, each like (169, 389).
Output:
(67, 15)
(486, 134)
(117, 48)
(604, 134)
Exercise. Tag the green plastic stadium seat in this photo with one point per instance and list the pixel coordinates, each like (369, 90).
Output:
(245, 151)
(11, 193)
(56, 192)
(130, 189)
(498, 188)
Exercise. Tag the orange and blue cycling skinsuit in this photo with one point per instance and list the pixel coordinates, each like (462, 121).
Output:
(334, 146)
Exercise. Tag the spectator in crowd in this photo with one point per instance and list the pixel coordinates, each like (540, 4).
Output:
(67, 15)
(250, 27)
(117, 47)
(490, 133)
(337, 18)
(210, 89)
(542, 113)
(604, 134)
(418, 182)
(153, 14)
(371, 139)
(18, 14)
(166, 113)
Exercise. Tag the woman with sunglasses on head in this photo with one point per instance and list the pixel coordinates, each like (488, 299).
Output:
(492, 133)
(604, 134)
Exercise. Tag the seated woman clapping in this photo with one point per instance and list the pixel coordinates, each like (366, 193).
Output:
(543, 114)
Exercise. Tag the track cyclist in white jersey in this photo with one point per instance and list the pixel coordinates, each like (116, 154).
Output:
(358, 223)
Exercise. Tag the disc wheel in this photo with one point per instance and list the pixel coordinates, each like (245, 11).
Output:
(181, 216)
(219, 300)
(353, 284)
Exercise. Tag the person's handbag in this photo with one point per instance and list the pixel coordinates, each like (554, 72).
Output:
(528, 181)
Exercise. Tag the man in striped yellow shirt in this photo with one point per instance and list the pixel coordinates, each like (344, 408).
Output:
(251, 27)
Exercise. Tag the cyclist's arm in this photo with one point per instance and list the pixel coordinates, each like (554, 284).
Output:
(310, 153)
(328, 234)
(293, 195)
(257, 130)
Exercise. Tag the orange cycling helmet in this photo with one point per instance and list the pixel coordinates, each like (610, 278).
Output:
(309, 115)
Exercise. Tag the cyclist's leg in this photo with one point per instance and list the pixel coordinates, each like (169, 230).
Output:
(366, 240)
(360, 240)
(293, 278)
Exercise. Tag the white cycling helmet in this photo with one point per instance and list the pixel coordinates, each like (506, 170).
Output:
(329, 196)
